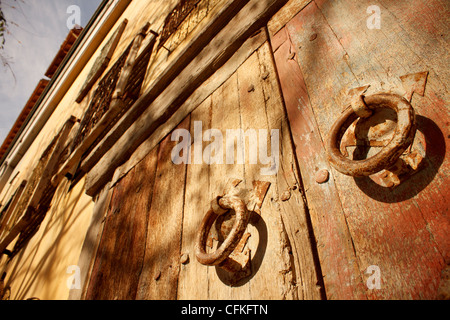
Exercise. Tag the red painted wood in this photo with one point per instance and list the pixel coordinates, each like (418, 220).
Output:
(337, 259)
(402, 231)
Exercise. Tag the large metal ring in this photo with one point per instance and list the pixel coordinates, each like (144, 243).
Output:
(401, 140)
(230, 243)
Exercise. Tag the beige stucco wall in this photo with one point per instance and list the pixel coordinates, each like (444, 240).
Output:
(138, 13)
(40, 270)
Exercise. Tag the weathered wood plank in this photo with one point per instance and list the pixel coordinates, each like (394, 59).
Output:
(214, 55)
(225, 115)
(300, 247)
(204, 91)
(278, 39)
(160, 269)
(406, 227)
(193, 278)
(282, 17)
(337, 258)
(119, 260)
(267, 239)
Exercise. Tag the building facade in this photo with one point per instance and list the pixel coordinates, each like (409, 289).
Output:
(234, 149)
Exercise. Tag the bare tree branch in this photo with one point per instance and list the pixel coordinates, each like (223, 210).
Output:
(4, 30)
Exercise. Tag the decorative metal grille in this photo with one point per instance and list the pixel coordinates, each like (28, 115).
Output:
(175, 18)
(101, 99)
(44, 204)
(131, 93)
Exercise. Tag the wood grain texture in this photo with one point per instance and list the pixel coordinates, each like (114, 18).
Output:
(255, 108)
(402, 231)
(247, 21)
(120, 256)
(159, 276)
(225, 115)
(300, 244)
(337, 257)
(193, 280)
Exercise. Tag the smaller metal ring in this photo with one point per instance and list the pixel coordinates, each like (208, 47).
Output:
(230, 243)
(401, 140)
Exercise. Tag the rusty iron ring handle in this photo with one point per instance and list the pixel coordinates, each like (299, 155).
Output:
(401, 140)
(221, 206)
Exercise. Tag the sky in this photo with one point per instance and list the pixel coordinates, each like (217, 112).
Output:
(37, 30)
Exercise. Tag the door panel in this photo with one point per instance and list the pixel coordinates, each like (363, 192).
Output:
(402, 231)
(250, 99)
(171, 201)
(338, 262)
(314, 239)
(119, 258)
(159, 275)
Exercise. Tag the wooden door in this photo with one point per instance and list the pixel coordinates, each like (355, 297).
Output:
(147, 247)
(334, 237)
(364, 230)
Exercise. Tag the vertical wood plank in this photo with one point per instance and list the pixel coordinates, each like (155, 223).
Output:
(159, 276)
(402, 231)
(225, 115)
(120, 257)
(266, 234)
(193, 278)
(337, 256)
(296, 222)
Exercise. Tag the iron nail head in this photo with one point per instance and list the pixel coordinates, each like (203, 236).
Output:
(322, 176)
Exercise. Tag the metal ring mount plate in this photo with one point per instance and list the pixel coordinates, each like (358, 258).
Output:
(230, 243)
(401, 140)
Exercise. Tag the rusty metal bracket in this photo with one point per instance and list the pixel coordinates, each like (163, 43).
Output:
(414, 83)
(376, 127)
(356, 100)
(232, 255)
(407, 165)
(402, 138)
